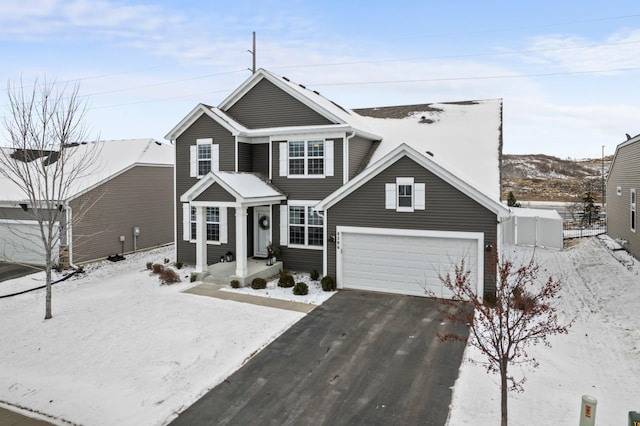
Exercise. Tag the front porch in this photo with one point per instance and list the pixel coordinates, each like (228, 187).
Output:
(225, 272)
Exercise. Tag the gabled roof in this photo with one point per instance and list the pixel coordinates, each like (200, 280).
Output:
(247, 188)
(630, 141)
(114, 157)
(429, 164)
(465, 137)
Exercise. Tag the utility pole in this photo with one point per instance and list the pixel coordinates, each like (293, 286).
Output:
(253, 54)
(603, 189)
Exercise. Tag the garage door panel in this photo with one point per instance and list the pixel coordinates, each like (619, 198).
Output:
(21, 243)
(403, 264)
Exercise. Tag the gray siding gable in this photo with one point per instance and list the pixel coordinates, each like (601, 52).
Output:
(447, 209)
(265, 105)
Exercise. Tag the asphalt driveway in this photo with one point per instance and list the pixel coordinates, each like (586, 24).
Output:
(360, 358)
(9, 270)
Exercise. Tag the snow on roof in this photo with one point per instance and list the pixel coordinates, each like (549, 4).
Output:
(463, 137)
(113, 158)
(247, 185)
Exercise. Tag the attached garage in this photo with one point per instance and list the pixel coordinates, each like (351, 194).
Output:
(20, 242)
(405, 261)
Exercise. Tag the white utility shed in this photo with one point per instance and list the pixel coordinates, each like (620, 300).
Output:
(534, 227)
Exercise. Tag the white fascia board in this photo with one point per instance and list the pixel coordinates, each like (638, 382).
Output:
(261, 201)
(196, 113)
(635, 139)
(213, 204)
(326, 131)
(241, 90)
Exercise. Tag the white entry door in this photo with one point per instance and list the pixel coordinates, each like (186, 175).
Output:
(261, 230)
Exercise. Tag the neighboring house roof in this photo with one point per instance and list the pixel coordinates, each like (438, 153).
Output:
(246, 188)
(464, 137)
(430, 164)
(114, 157)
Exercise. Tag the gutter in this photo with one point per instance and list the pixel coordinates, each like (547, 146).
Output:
(69, 218)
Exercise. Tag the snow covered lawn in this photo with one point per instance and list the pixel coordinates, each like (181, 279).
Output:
(599, 357)
(121, 348)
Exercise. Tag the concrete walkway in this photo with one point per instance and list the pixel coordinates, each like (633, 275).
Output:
(214, 290)
(12, 418)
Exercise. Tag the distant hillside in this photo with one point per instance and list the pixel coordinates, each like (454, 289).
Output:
(542, 177)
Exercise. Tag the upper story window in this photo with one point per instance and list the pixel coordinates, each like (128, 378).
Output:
(204, 157)
(306, 158)
(632, 208)
(405, 195)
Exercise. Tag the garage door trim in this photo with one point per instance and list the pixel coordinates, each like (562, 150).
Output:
(477, 236)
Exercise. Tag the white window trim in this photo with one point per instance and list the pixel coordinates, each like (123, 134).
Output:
(633, 211)
(194, 160)
(392, 195)
(222, 224)
(284, 224)
(328, 158)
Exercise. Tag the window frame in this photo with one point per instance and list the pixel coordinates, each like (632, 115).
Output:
(306, 158)
(404, 182)
(306, 225)
(199, 143)
(633, 216)
(193, 222)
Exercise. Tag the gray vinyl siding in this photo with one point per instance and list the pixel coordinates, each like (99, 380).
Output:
(244, 157)
(447, 209)
(15, 213)
(215, 193)
(294, 259)
(359, 151)
(203, 127)
(141, 196)
(308, 188)
(265, 105)
(625, 172)
(260, 159)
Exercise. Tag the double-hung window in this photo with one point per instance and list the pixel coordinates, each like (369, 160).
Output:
(632, 209)
(305, 227)
(204, 157)
(306, 158)
(212, 218)
(405, 195)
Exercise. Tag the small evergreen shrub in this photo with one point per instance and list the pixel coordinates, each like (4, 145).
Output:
(300, 289)
(193, 277)
(328, 283)
(157, 268)
(166, 260)
(286, 281)
(235, 284)
(282, 272)
(169, 276)
(258, 283)
(314, 275)
(178, 265)
(149, 265)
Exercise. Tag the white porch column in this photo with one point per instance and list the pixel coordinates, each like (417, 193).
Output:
(241, 241)
(201, 239)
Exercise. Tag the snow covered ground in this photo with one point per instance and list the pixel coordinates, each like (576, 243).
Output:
(121, 348)
(599, 357)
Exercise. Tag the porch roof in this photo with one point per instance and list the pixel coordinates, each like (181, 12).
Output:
(248, 189)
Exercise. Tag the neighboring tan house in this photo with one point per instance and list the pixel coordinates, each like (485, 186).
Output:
(384, 199)
(131, 188)
(623, 185)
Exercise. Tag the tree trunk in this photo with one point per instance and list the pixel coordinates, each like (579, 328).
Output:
(503, 392)
(47, 310)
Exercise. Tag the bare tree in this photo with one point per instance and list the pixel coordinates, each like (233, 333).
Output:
(503, 326)
(40, 157)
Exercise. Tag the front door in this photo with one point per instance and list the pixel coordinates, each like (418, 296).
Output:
(261, 230)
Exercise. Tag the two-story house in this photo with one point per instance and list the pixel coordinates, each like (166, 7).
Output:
(384, 199)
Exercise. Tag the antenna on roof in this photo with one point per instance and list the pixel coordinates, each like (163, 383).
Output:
(253, 54)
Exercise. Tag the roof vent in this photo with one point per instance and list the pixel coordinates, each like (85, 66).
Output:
(316, 92)
(430, 154)
(301, 86)
(285, 79)
(158, 143)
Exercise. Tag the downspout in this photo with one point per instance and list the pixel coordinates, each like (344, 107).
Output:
(345, 158)
(69, 218)
(325, 260)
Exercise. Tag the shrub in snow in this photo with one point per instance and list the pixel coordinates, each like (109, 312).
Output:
(193, 277)
(258, 283)
(178, 264)
(300, 289)
(166, 260)
(235, 284)
(314, 275)
(149, 265)
(286, 281)
(169, 276)
(328, 283)
(157, 268)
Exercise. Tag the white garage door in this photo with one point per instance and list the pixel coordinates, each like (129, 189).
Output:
(405, 262)
(20, 242)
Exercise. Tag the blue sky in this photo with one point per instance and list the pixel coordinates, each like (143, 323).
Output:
(568, 71)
